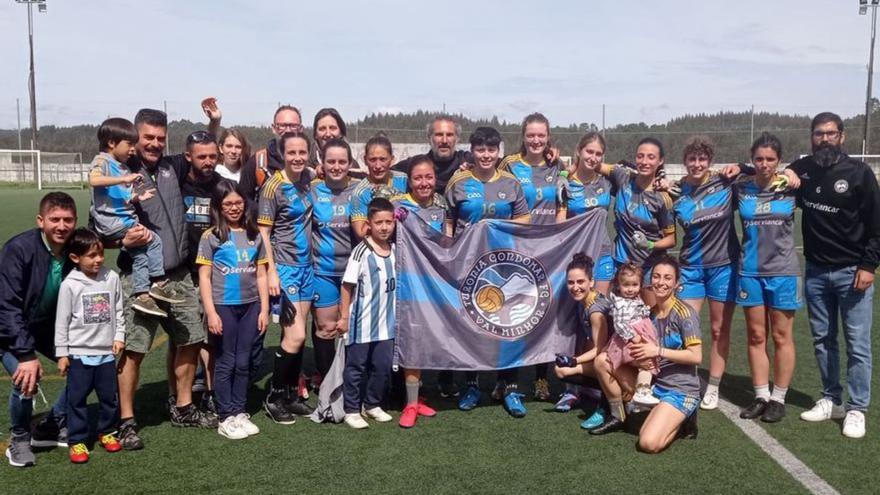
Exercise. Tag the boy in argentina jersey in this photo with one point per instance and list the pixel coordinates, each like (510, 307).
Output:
(287, 208)
(538, 184)
(331, 238)
(768, 263)
(636, 210)
(471, 200)
(234, 262)
(434, 214)
(577, 198)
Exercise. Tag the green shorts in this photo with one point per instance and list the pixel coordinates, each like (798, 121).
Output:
(184, 323)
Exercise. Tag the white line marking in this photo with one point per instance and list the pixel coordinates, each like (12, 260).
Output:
(791, 464)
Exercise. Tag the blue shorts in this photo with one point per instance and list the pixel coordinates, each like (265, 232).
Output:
(603, 270)
(782, 292)
(685, 403)
(327, 289)
(718, 283)
(297, 282)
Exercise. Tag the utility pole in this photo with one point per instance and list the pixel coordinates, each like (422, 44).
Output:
(41, 7)
(603, 120)
(18, 117)
(863, 7)
(752, 131)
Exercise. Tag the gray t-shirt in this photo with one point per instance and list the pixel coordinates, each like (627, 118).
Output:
(679, 330)
(233, 266)
(471, 200)
(637, 210)
(287, 208)
(112, 210)
(705, 213)
(768, 231)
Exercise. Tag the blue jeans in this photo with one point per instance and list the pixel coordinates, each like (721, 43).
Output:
(146, 262)
(233, 356)
(830, 291)
(21, 408)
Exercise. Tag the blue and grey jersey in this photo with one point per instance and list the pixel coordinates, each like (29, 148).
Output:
(638, 210)
(287, 208)
(471, 200)
(680, 329)
(233, 266)
(434, 215)
(595, 302)
(539, 186)
(705, 213)
(331, 227)
(768, 230)
(579, 198)
(112, 211)
(366, 190)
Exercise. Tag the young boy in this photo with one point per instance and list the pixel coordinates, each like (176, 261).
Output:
(89, 331)
(113, 213)
(369, 336)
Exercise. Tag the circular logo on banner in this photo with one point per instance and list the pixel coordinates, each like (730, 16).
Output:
(506, 294)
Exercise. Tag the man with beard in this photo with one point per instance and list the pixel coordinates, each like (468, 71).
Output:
(840, 200)
(266, 161)
(165, 215)
(443, 134)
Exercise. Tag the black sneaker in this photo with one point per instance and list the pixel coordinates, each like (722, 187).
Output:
(611, 424)
(448, 390)
(275, 406)
(298, 406)
(774, 412)
(190, 416)
(19, 452)
(171, 402)
(49, 432)
(754, 410)
(208, 404)
(128, 435)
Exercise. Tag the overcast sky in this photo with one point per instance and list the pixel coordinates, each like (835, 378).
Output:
(646, 60)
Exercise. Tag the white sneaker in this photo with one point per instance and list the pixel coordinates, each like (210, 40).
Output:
(854, 424)
(378, 414)
(230, 429)
(824, 410)
(244, 421)
(710, 400)
(356, 421)
(644, 397)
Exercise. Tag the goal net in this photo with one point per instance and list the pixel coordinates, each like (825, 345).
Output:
(42, 169)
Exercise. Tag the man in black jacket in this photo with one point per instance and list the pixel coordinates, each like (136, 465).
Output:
(443, 134)
(33, 264)
(840, 200)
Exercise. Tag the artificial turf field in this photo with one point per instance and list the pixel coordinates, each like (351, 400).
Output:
(483, 451)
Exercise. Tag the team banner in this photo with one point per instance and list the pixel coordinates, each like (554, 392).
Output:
(496, 297)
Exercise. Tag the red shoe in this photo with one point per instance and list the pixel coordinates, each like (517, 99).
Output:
(316, 382)
(79, 454)
(425, 410)
(109, 442)
(302, 387)
(408, 416)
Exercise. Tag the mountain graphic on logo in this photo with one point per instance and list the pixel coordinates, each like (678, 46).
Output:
(520, 297)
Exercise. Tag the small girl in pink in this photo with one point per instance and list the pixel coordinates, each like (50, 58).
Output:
(631, 319)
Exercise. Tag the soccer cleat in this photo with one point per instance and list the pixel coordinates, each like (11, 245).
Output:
(710, 400)
(376, 413)
(298, 406)
(448, 390)
(189, 416)
(409, 416)
(230, 429)
(542, 389)
(275, 407)
(128, 435)
(146, 305)
(79, 454)
(244, 421)
(595, 420)
(823, 410)
(49, 432)
(109, 442)
(854, 424)
(566, 401)
(163, 292)
(302, 387)
(470, 399)
(513, 404)
(754, 410)
(774, 412)
(356, 421)
(644, 397)
(610, 425)
(19, 451)
(171, 402)
(499, 391)
(424, 409)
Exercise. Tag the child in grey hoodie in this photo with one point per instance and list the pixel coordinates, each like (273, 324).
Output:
(89, 331)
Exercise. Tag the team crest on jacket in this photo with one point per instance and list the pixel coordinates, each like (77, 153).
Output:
(506, 294)
(841, 186)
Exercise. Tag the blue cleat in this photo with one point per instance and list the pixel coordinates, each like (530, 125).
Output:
(595, 420)
(513, 404)
(566, 401)
(470, 400)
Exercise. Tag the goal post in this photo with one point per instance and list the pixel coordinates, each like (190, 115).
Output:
(42, 169)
